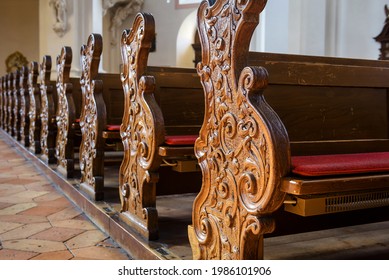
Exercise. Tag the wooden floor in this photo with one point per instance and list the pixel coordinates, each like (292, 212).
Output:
(354, 235)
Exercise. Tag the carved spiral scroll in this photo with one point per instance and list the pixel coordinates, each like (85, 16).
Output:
(34, 109)
(242, 144)
(92, 148)
(24, 105)
(16, 107)
(48, 129)
(140, 130)
(64, 61)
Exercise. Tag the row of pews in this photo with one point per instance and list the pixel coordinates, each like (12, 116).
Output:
(308, 132)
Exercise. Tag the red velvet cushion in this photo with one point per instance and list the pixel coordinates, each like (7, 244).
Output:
(176, 140)
(77, 120)
(113, 127)
(322, 165)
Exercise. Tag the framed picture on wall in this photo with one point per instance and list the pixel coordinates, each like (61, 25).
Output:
(187, 3)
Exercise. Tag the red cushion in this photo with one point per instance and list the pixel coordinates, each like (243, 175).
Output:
(176, 140)
(77, 120)
(113, 127)
(322, 165)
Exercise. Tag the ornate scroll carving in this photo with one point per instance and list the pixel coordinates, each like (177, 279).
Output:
(93, 119)
(242, 146)
(140, 133)
(64, 145)
(24, 105)
(16, 107)
(5, 101)
(10, 125)
(1, 102)
(48, 127)
(34, 110)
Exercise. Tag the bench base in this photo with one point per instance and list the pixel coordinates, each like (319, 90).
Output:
(311, 205)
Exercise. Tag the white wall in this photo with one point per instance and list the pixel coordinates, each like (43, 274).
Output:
(343, 28)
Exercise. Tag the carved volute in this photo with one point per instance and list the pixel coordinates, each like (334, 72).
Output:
(47, 104)
(24, 105)
(10, 103)
(64, 61)
(90, 113)
(1, 103)
(16, 107)
(139, 130)
(32, 112)
(5, 102)
(242, 145)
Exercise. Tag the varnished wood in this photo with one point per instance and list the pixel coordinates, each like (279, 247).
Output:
(34, 109)
(24, 106)
(92, 120)
(102, 105)
(68, 110)
(48, 110)
(10, 108)
(159, 101)
(314, 105)
(243, 146)
(16, 105)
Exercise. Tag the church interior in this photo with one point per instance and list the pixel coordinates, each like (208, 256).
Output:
(194, 130)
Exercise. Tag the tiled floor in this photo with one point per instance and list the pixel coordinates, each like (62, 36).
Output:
(38, 222)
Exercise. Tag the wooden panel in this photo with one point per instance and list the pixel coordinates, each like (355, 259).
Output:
(329, 113)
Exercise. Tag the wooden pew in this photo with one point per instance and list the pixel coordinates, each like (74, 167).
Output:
(16, 106)
(1, 102)
(162, 116)
(67, 115)
(5, 102)
(48, 109)
(318, 141)
(10, 103)
(34, 109)
(24, 105)
(101, 116)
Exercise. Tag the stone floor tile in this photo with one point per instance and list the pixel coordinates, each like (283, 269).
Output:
(65, 214)
(5, 205)
(74, 223)
(39, 186)
(11, 190)
(49, 197)
(22, 197)
(20, 181)
(34, 245)
(57, 234)
(17, 208)
(86, 239)
(100, 253)
(7, 226)
(7, 254)
(25, 231)
(23, 219)
(60, 202)
(58, 255)
(42, 210)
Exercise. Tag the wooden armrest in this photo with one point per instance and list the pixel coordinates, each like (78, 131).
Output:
(172, 151)
(309, 186)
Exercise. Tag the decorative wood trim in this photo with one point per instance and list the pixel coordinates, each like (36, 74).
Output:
(24, 105)
(242, 146)
(5, 102)
(92, 120)
(140, 133)
(10, 126)
(48, 126)
(34, 109)
(16, 107)
(1, 102)
(64, 144)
